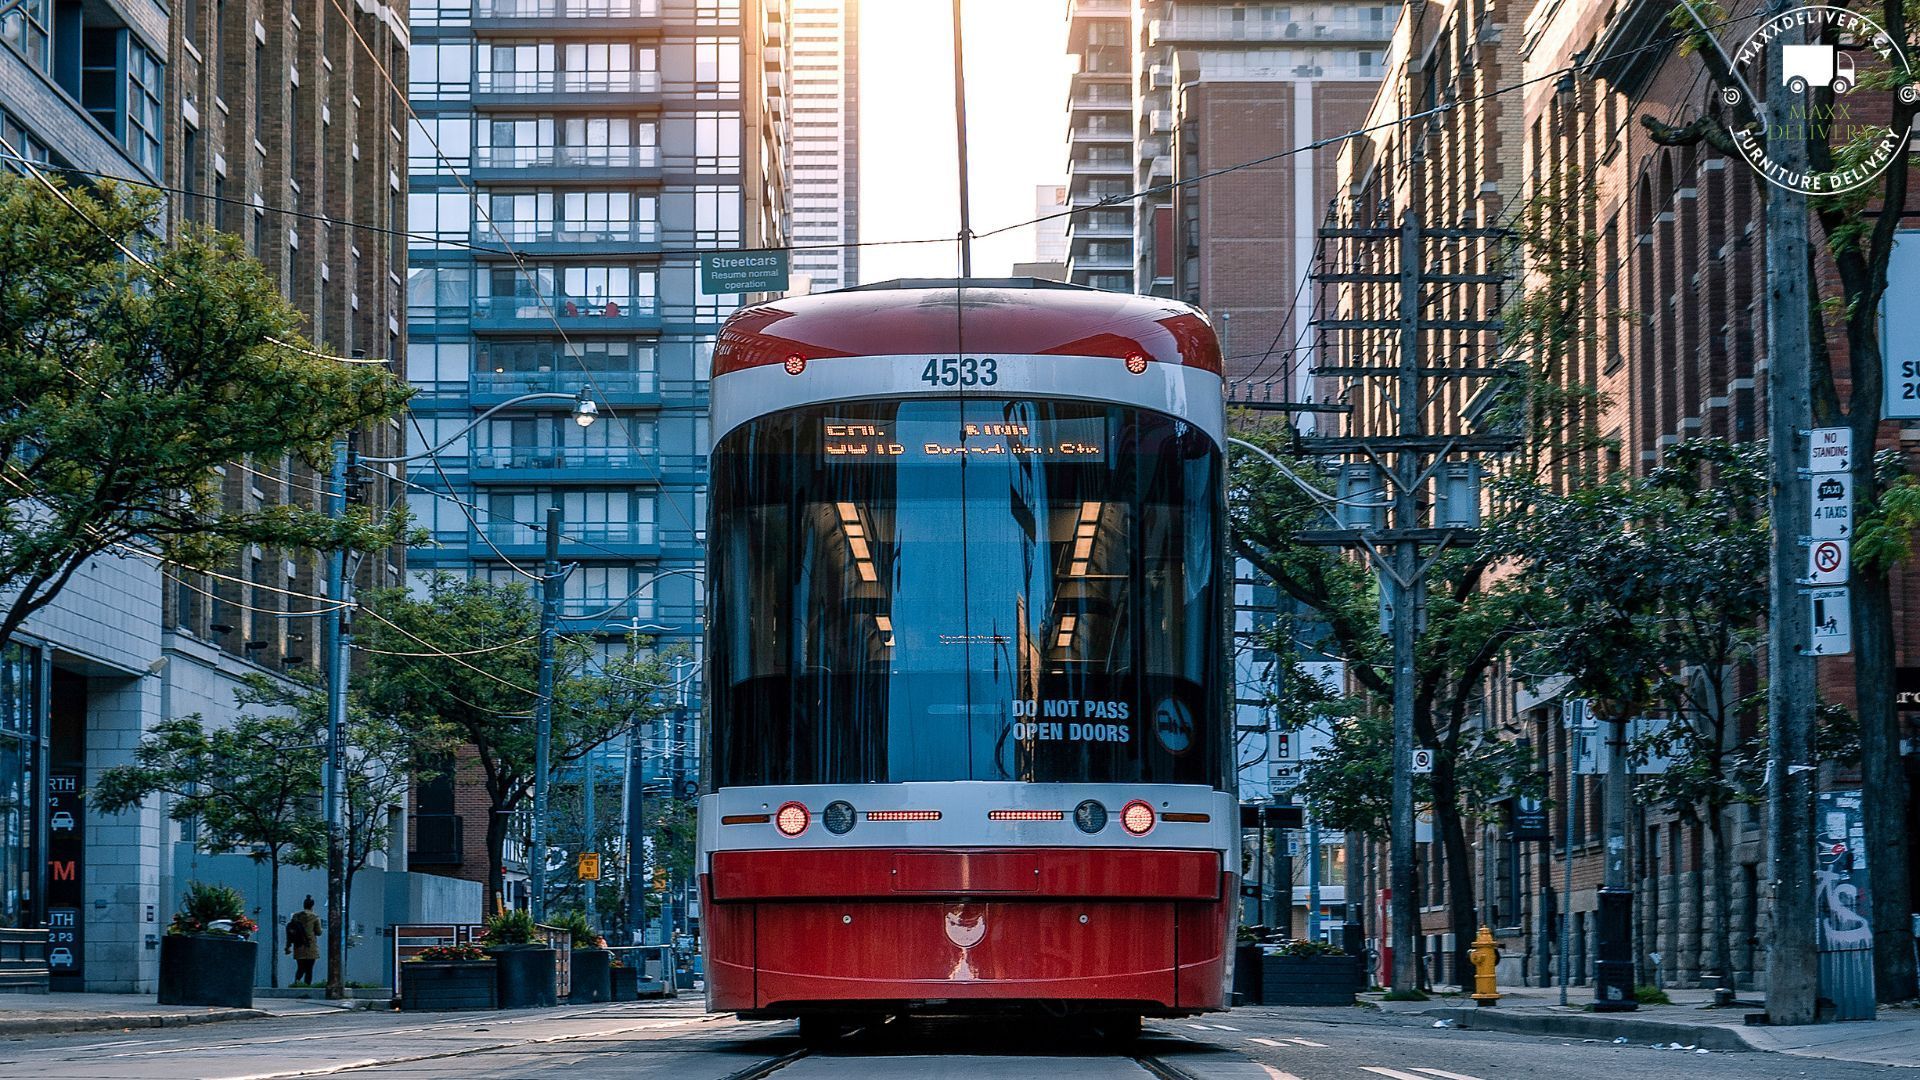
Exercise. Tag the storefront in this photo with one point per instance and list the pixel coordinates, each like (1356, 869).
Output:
(22, 795)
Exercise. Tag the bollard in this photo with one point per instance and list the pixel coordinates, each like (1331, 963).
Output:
(1484, 954)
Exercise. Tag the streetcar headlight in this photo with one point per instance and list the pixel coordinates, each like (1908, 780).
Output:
(1137, 817)
(1090, 816)
(791, 819)
(838, 817)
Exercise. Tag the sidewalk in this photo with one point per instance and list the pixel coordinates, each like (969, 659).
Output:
(1690, 1023)
(52, 1014)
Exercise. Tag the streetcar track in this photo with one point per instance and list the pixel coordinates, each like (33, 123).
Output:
(1161, 1069)
(767, 1067)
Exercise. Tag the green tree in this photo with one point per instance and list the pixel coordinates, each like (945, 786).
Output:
(252, 786)
(1656, 591)
(1847, 282)
(481, 696)
(126, 383)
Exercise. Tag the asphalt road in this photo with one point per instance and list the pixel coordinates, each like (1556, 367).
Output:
(676, 1041)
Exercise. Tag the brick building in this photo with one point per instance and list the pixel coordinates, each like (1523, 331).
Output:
(1485, 111)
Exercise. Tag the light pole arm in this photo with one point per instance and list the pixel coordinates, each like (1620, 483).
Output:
(583, 406)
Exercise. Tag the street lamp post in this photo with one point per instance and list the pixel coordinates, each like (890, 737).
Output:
(585, 411)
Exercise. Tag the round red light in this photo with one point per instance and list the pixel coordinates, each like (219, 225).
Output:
(1137, 818)
(791, 819)
(1137, 363)
(796, 364)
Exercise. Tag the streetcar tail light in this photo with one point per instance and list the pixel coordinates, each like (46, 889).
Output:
(791, 819)
(1198, 819)
(1026, 815)
(903, 815)
(795, 364)
(1090, 816)
(746, 819)
(1137, 363)
(838, 817)
(1136, 817)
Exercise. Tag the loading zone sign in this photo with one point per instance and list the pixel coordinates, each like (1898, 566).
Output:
(1832, 622)
(1827, 562)
(1832, 507)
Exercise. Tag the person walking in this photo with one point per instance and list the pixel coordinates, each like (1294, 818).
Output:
(303, 941)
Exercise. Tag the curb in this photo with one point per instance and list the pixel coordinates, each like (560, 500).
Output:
(66, 1025)
(1588, 1026)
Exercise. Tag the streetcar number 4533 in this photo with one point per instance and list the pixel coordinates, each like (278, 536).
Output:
(961, 371)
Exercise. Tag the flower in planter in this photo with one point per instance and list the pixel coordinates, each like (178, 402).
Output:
(449, 954)
(212, 909)
(1302, 947)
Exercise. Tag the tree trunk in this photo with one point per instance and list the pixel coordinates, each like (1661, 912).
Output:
(273, 919)
(495, 900)
(1884, 779)
(1459, 864)
(1721, 867)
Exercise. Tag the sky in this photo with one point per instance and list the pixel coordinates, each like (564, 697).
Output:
(1017, 71)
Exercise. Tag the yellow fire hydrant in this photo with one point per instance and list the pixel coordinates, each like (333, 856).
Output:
(1485, 954)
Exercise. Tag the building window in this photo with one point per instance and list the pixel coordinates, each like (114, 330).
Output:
(716, 142)
(438, 293)
(440, 72)
(441, 145)
(25, 28)
(20, 727)
(716, 67)
(439, 219)
(716, 215)
(603, 66)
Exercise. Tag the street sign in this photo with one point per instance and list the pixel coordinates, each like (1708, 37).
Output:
(589, 869)
(1832, 507)
(1830, 450)
(1422, 760)
(1578, 714)
(743, 272)
(1530, 820)
(1900, 329)
(1832, 622)
(1827, 562)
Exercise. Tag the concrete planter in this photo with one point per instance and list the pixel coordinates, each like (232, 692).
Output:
(441, 986)
(527, 976)
(1308, 980)
(625, 983)
(207, 969)
(592, 977)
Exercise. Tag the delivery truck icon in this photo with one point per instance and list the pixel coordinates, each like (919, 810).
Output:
(1802, 66)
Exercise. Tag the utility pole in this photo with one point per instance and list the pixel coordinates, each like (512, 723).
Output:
(1792, 962)
(1395, 550)
(336, 642)
(589, 841)
(550, 577)
(960, 129)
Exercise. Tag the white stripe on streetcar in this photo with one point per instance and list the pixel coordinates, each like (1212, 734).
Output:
(1445, 1075)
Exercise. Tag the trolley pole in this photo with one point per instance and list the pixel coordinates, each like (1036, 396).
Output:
(337, 642)
(960, 129)
(1792, 962)
(543, 713)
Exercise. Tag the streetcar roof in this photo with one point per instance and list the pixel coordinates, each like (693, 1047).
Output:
(979, 316)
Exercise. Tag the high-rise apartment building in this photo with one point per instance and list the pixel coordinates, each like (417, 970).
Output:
(826, 143)
(272, 120)
(571, 161)
(1100, 137)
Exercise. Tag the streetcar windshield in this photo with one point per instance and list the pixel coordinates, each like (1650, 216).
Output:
(965, 590)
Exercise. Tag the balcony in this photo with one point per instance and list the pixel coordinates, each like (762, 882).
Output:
(1100, 260)
(1110, 133)
(1101, 103)
(621, 387)
(582, 539)
(535, 238)
(1105, 165)
(1100, 230)
(529, 311)
(530, 88)
(1093, 198)
(564, 17)
(1099, 9)
(542, 458)
(438, 840)
(527, 163)
(1206, 31)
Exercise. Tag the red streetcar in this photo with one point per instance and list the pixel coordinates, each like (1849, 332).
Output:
(969, 745)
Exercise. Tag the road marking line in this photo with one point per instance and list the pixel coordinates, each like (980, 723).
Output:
(1445, 1075)
(1306, 1042)
(1268, 1042)
(1276, 1074)
(1394, 1073)
(1198, 1027)
(1224, 1027)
